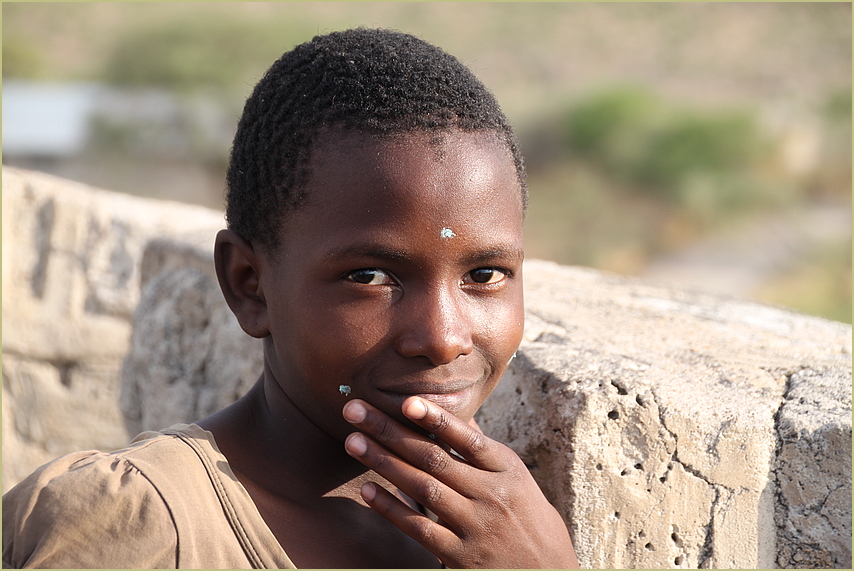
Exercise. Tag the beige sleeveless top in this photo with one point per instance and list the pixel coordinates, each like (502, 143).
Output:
(169, 500)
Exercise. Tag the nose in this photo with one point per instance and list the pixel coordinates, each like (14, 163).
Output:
(435, 325)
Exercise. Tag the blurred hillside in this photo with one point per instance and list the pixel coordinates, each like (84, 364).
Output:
(705, 143)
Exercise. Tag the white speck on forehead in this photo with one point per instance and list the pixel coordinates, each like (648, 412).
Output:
(344, 389)
(447, 233)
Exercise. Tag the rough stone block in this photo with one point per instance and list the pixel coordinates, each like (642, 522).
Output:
(813, 469)
(661, 423)
(71, 262)
(53, 409)
(71, 281)
(189, 357)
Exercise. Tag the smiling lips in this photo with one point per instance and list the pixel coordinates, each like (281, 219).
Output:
(453, 396)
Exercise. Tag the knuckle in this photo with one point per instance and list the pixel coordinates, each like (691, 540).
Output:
(381, 463)
(433, 460)
(476, 442)
(428, 491)
(507, 460)
(439, 423)
(508, 452)
(507, 497)
(502, 497)
(422, 529)
(383, 430)
(503, 503)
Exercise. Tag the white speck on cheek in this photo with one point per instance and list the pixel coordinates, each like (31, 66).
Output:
(447, 233)
(344, 389)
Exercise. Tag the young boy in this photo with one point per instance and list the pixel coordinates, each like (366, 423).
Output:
(375, 205)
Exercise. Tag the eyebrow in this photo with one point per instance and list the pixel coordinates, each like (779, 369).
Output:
(369, 250)
(503, 253)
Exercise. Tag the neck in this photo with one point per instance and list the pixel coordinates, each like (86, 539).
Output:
(270, 442)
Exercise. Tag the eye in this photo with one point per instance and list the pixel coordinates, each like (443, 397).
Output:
(485, 276)
(370, 276)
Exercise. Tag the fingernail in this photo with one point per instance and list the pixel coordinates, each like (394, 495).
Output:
(354, 411)
(416, 409)
(355, 444)
(369, 492)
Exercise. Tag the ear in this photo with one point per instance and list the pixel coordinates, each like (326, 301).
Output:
(238, 269)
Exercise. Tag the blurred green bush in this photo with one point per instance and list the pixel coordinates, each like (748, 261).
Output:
(204, 52)
(21, 58)
(624, 176)
(665, 150)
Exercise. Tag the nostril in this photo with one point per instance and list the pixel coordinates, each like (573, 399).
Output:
(438, 347)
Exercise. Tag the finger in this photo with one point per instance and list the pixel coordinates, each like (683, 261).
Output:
(419, 485)
(436, 538)
(469, 442)
(425, 453)
(378, 424)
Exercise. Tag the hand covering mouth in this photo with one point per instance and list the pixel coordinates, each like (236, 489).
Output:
(451, 396)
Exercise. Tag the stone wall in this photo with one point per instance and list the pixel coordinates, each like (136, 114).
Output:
(681, 429)
(71, 282)
(671, 428)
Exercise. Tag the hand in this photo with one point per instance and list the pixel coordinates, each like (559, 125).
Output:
(492, 513)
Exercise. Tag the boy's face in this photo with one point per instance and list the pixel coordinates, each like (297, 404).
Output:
(400, 275)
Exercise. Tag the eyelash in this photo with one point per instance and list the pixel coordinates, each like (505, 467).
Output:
(504, 274)
(365, 271)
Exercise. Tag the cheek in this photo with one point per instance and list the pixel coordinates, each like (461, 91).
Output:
(348, 333)
(503, 329)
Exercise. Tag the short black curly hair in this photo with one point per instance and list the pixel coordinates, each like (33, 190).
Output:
(372, 81)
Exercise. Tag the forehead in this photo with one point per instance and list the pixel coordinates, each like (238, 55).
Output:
(429, 170)
(420, 194)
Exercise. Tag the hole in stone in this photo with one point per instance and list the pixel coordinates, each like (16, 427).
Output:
(638, 466)
(640, 400)
(663, 479)
(613, 415)
(678, 560)
(620, 390)
(598, 466)
(650, 547)
(624, 472)
(674, 537)
(641, 534)
(65, 369)
(617, 515)
(65, 376)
